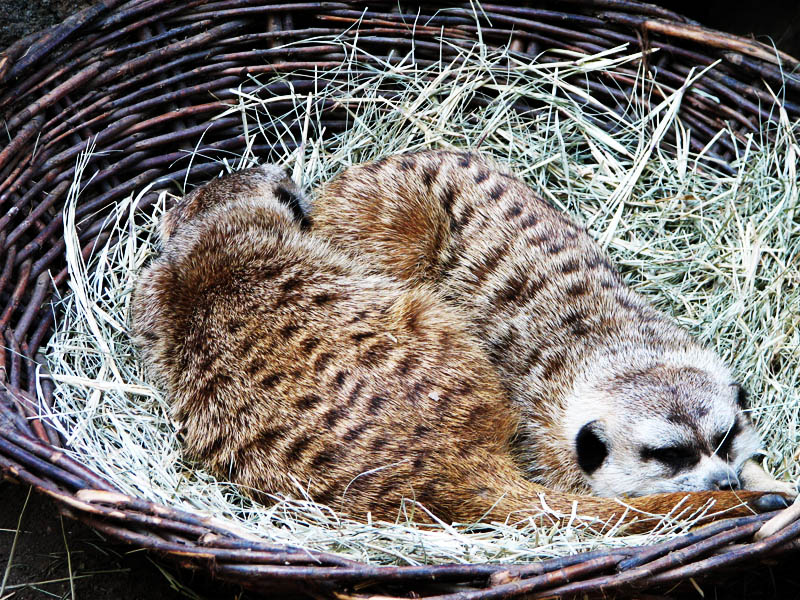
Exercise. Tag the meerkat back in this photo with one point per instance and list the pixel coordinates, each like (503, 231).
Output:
(614, 398)
(279, 356)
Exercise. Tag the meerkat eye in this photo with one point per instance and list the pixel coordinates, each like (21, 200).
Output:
(724, 441)
(677, 457)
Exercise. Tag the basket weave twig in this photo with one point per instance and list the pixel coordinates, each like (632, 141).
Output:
(144, 78)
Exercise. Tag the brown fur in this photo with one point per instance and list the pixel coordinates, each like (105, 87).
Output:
(288, 364)
(538, 291)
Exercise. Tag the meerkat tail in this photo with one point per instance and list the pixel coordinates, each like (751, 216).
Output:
(498, 493)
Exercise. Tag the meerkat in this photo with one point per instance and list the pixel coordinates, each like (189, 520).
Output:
(289, 363)
(615, 399)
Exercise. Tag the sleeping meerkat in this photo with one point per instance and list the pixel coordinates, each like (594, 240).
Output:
(288, 364)
(615, 399)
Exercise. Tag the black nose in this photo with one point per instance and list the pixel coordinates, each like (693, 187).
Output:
(727, 482)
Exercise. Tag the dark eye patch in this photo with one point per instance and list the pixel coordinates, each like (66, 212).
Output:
(724, 441)
(741, 396)
(675, 457)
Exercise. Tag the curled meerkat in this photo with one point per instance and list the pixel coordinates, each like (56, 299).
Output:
(287, 362)
(615, 399)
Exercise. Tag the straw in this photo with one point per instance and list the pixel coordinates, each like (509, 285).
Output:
(717, 251)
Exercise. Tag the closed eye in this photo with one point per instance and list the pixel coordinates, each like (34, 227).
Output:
(723, 442)
(676, 457)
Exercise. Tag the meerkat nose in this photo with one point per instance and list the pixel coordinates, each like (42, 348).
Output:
(725, 481)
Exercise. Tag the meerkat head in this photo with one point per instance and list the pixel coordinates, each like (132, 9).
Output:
(660, 423)
(267, 183)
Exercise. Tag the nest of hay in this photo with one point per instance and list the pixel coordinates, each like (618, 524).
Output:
(688, 180)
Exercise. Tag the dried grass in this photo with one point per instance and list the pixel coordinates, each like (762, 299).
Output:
(718, 252)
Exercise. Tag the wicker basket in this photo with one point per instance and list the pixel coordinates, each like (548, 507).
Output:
(146, 76)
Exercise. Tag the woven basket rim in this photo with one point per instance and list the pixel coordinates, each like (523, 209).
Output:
(71, 67)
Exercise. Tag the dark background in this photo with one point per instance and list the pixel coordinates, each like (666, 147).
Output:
(776, 20)
(45, 542)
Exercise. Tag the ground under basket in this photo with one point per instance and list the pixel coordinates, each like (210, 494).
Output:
(144, 78)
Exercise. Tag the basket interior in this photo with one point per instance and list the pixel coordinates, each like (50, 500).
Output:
(692, 187)
(687, 235)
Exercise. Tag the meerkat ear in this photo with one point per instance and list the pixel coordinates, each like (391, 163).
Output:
(741, 396)
(590, 447)
(294, 199)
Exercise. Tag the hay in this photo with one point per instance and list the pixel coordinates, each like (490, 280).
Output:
(718, 252)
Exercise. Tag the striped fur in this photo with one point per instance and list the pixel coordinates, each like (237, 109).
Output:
(573, 345)
(289, 364)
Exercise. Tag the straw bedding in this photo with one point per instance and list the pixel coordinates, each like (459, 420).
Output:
(717, 251)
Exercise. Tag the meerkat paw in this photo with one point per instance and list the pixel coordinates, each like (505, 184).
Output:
(754, 477)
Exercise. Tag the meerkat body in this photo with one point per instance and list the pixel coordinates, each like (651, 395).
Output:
(288, 364)
(614, 398)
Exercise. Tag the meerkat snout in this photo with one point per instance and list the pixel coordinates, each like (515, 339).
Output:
(724, 479)
(652, 456)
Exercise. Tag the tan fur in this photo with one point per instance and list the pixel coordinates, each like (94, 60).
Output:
(287, 363)
(571, 342)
